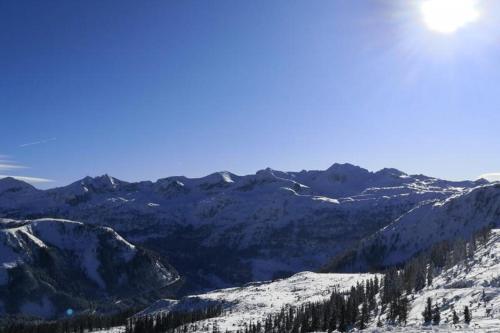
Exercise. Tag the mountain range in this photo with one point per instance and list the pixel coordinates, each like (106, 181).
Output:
(225, 230)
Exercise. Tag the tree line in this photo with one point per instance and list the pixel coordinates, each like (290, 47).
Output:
(78, 324)
(173, 321)
(343, 311)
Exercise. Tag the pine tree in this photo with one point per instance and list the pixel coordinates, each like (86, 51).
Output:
(427, 314)
(403, 310)
(430, 274)
(393, 310)
(364, 316)
(467, 315)
(471, 248)
(456, 319)
(436, 316)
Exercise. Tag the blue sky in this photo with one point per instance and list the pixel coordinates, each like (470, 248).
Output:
(148, 89)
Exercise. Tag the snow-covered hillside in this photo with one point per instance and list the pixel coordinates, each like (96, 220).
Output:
(473, 282)
(267, 225)
(48, 265)
(457, 216)
(255, 301)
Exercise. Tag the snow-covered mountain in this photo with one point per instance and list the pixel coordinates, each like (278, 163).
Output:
(223, 230)
(49, 265)
(458, 216)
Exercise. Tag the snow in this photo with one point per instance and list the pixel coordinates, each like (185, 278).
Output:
(464, 284)
(325, 199)
(272, 216)
(474, 282)
(16, 243)
(78, 248)
(120, 329)
(432, 221)
(255, 301)
(67, 236)
(337, 207)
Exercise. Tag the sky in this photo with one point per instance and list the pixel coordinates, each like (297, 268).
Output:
(148, 89)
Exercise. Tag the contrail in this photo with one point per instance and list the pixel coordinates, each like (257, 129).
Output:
(37, 142)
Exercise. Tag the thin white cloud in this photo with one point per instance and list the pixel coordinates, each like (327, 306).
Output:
(37, 142)
(8, 165)
(4, 165)
(492, 177)
(31, 180)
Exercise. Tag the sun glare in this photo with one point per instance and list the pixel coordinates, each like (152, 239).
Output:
(447, 16)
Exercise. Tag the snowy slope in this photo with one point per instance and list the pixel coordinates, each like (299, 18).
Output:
(46, 264)
(475, 283)
(255, 301)
(270, 224)
(457, 216)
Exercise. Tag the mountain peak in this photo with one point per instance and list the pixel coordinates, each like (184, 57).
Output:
(99, 183)
(13, 184)
(482, 181)
(391, 172)
(347, 168)
(224, 176)
(104, 180)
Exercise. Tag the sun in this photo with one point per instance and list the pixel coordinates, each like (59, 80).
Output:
(448, 16)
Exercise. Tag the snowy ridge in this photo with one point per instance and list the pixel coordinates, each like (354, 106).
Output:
(63, 234)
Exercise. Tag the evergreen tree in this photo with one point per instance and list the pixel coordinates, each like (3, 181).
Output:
(467, 315)
(403, 310)
(456, 319)
(393, 310)
(436, 316)
(427, 314)
(420, 273)
(430, 274)
(364, 316)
